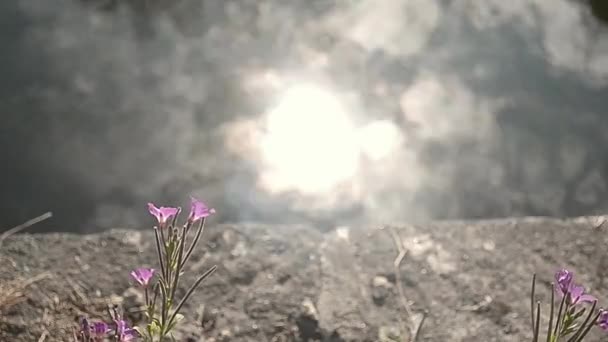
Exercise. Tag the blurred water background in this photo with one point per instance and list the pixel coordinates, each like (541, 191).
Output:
(337, 112)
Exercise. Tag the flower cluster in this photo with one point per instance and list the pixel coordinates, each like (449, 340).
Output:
(575, 315)
(100, 331)
(162, 309)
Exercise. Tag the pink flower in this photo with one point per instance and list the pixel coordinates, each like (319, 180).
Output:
(566, 286)
(564, 280)
(99, 330)
(162, 214)
(95, 331)
(198, 210)
(603, 320)
(578, 295)
(143, 275)
(124, 332)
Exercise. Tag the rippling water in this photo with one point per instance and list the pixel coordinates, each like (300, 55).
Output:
(337, 112)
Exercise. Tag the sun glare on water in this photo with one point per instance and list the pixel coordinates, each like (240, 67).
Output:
(311, 144)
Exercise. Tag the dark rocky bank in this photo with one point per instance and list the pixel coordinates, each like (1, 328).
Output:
(295, 283)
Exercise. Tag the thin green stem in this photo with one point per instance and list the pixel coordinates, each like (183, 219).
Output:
(146, 296)
(551, 312)
(199, 231)
(169, 250)
(164, 309)
(180, 254)
(537, 325)
(576, 335)
(159, 250)
(559, 321)
(156, 291)
(190, 291)
(162, 234)
(589, 327)
(179, 210)
(532, 293)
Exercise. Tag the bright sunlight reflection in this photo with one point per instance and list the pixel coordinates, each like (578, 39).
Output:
(310, 144)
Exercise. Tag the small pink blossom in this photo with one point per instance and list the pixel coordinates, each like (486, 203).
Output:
(198, 210)
(162, 214)
(566, 286)
(95, 331)
(124, 332)
(578, 295)
(603, 320)
(99, 330)
(564, 280)
(143, 275)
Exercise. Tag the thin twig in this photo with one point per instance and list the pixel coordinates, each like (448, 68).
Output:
(41, 276)
(599, 225)
(419, 327)
(24, 225)
(487, 300)
(43, 336)
(414, 328)
(77, 290)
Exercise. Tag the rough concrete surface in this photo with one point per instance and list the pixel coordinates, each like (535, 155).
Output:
(296, 283)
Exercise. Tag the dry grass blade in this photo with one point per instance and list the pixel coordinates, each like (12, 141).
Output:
(24, 225)
(12, 293)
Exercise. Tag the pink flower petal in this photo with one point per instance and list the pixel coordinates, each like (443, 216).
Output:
(143, 275)
(162, 214)
(199, 210)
